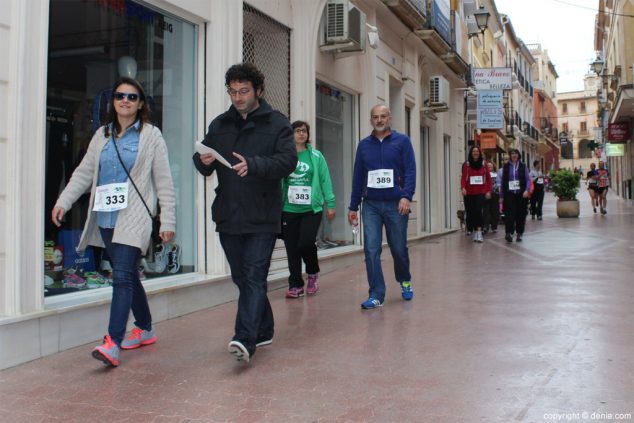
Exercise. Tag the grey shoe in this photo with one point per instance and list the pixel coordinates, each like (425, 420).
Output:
(137, 338)
(108, 352)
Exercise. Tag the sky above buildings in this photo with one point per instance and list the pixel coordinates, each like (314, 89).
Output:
(563, 27)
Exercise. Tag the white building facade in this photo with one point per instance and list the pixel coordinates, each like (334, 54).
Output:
(54, 88)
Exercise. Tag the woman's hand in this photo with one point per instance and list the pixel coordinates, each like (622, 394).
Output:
(166, 236)
(487, 195)
(330, 214)
(56, 216)
(464, 191)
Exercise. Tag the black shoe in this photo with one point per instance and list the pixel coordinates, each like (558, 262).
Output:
(594, 209)
(508, 238)
(539, 218)
(264, 340)
(518, 238)
(604, 211)
(532, 217)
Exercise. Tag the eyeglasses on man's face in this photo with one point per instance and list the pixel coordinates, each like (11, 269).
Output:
(301, 131)
(130, 96)
(241, 92)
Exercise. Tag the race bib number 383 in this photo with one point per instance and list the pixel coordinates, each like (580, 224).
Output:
(299, 195)
(381, 178)
(111, 197)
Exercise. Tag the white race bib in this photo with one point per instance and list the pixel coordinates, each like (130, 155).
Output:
(299, 195)
(381, 178)
(476, 180)
(514, 185)
(111, 197)
(540, 181)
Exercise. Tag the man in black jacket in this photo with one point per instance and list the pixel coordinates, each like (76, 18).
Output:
(258, 143)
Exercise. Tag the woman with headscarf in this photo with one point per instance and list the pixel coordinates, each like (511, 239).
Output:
(476, 186)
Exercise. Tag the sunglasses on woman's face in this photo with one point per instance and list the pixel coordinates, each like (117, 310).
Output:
(131, 96)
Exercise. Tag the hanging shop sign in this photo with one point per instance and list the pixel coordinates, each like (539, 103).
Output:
(615, 150)
(488, 140)
(492, 78)
(619, 132)
(490, 110)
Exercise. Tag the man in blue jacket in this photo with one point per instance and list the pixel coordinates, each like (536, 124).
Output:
(385, 179)
(258, 142)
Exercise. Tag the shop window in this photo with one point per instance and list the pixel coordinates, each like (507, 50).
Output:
(92, 44)
(564, 108)
(335, 139)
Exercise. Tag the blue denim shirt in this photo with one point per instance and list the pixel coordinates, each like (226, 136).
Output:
(110, 170)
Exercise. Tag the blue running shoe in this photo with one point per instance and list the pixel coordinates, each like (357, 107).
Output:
(406, 290)
(371, 303)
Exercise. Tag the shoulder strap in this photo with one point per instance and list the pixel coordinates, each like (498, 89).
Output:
(130, 177)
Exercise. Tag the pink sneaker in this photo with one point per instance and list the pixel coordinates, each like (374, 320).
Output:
(295, 293)
(313, 285)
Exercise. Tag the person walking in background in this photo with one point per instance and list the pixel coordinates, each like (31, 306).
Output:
(247, 210)
(537, 196)
(305, 191)
(384, 178)
(491, 214)
(127, 151)
(592, 179)
(515, 187)
(476, 187)
(603, 178)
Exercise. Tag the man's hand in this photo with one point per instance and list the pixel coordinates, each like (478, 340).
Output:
(403, 206)
(207, 159)
(464, 191)
(352, 216)
(241, 168)
(526, 194)
(487, 195)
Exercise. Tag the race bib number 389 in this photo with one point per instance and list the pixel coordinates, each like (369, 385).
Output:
(381, 178)
(111, 197)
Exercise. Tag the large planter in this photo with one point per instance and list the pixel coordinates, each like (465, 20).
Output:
(567, 208)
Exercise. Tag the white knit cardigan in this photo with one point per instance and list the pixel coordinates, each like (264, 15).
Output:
(151, 174)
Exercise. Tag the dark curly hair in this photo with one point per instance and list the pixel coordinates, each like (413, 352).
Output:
(143, 114)
(242, 72)
(299, 124)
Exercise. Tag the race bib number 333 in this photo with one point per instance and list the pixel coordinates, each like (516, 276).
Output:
(111, 197)
(381, 178)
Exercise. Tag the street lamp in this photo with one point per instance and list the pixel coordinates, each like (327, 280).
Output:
(597, 67)
(482, 18)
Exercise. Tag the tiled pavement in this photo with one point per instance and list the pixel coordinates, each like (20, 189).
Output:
(532, 332)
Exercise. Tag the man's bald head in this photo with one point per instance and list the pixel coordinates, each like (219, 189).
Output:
(381, 119)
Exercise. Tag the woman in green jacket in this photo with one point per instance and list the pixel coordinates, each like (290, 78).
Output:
(305, 192)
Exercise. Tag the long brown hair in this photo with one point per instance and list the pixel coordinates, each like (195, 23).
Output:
(142, 115)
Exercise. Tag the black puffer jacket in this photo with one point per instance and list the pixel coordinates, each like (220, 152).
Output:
(250, 204)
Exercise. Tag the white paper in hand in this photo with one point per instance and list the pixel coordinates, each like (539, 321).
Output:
(203, 149)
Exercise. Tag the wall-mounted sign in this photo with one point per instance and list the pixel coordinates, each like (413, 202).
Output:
(615, 150)
(492, 78)
(619, 132)
(490, 110)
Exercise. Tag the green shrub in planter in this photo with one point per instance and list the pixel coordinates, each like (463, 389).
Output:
(564, 184)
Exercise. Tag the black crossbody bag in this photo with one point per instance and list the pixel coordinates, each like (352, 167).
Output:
(156, 222)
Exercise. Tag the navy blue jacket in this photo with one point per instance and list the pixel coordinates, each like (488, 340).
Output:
(250, 204)
(394, 152)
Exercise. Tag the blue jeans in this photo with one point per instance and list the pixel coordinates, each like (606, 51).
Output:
(249, 257)
(127, 291)
(375, 214)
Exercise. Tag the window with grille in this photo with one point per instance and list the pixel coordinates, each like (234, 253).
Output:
(267, 44)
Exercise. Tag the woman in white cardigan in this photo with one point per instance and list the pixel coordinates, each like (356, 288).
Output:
(118, 218)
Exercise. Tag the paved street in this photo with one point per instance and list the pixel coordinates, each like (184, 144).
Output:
(531, 332)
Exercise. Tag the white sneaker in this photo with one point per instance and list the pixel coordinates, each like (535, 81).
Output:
(174, 259)
(160, 258)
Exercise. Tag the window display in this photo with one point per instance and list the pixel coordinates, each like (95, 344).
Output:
(91, 45)
(335, 140)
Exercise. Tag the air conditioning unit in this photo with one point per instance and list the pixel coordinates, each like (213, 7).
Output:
(344, 28)
(438, 91)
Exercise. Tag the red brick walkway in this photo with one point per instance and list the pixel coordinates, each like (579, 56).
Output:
(497, 332)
